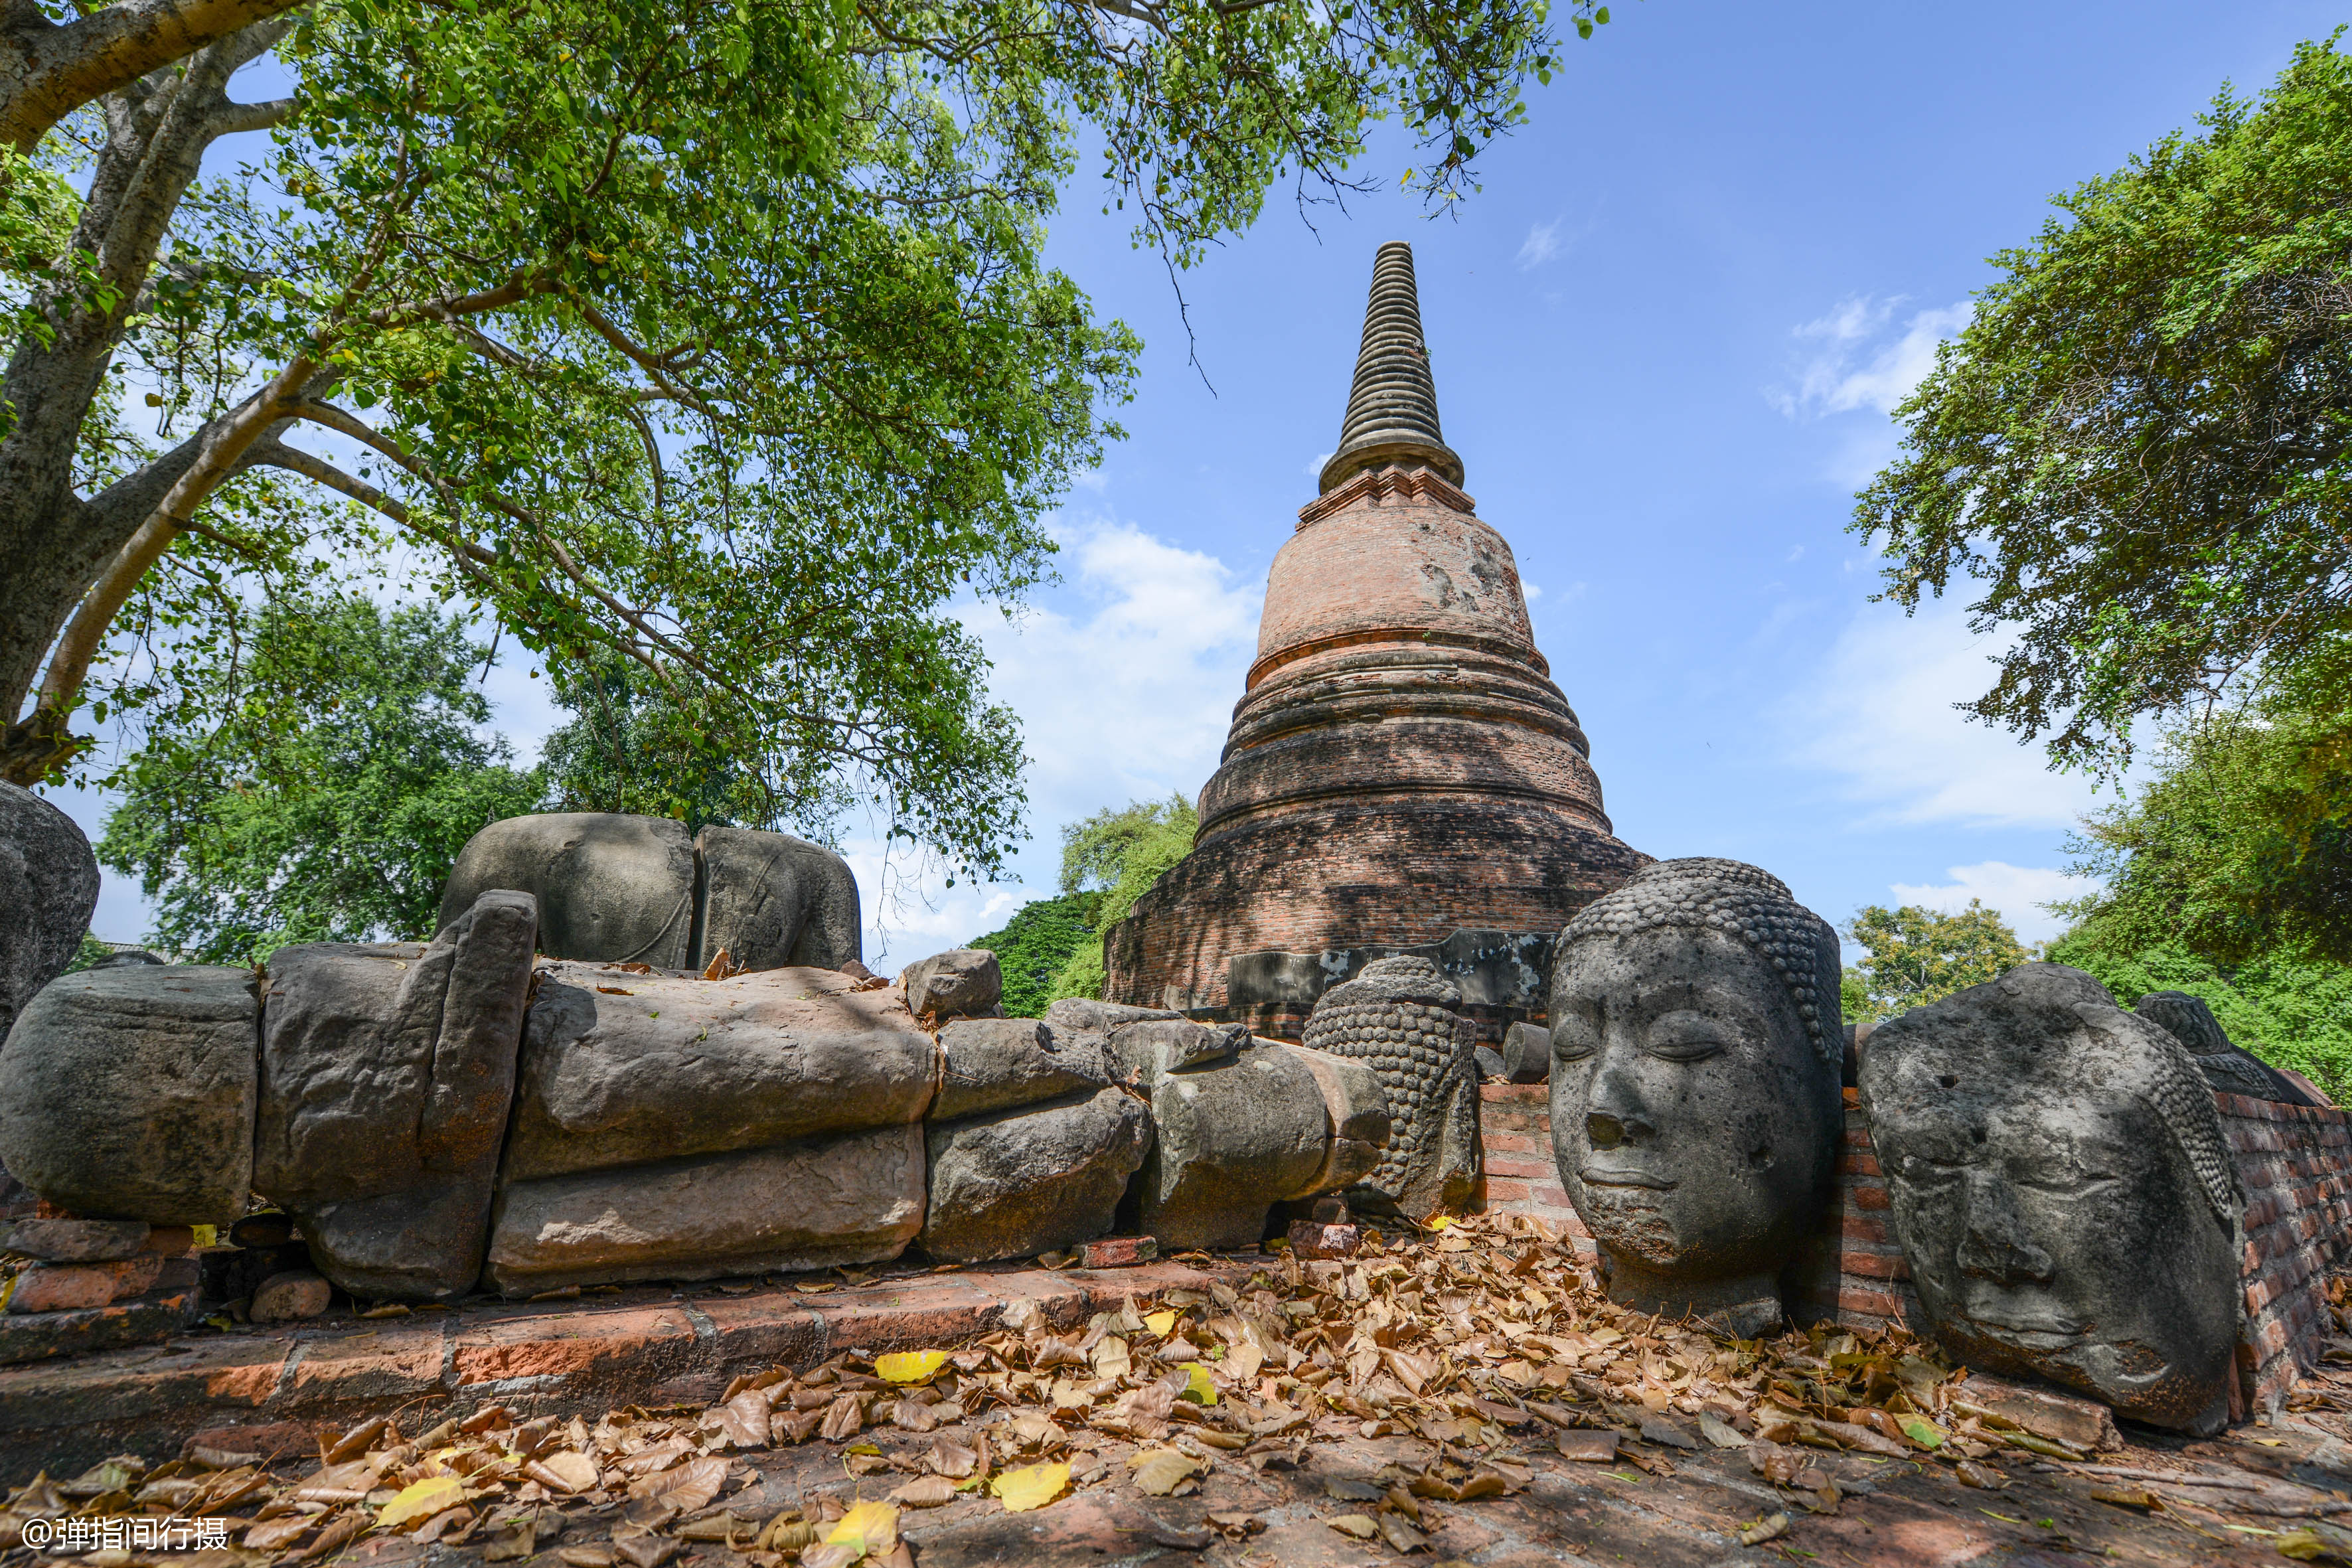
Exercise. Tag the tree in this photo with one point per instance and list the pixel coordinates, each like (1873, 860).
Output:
(1116, 857)
(1034, 945)
(314, 783)
(1917, 955)
(2239, 846)
(2141, 444)
(627, 750)
(710, 336)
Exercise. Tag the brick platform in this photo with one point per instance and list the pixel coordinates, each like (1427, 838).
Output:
(651, 1346)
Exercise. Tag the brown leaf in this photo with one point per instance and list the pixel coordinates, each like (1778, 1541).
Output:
(925, 1491)
(744, 1419)
(689, 1486)
(272, 1535)
(1158, 1472)
(341, 1528)
(950, 1458)
(845, 1417)
(646, 1551)
(1400, 1535)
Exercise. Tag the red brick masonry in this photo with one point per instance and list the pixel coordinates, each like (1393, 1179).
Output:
(2295, 1162)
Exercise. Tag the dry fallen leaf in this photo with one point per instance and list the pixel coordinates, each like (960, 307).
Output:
(1032, 1486)
(870, 1529)
(420, 1501)
(925, 1491)
(908, 1366)
(1356, 1524)
(1158, 1472)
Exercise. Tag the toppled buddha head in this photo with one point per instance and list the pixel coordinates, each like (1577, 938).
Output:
(1695, 1101)
(2064, 1193)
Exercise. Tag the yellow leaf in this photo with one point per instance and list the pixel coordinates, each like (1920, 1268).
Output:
(869, 1529)
(1440, 1222)
(423, 1500)
(1159, 1323)
(1355, 1525)
(1160, 1472)
(1032, 1485)
(909, 1366)
(1200, 1389)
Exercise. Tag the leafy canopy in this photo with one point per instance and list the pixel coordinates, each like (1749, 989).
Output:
(714, 336)
(1032, 947)
(1915, 956)
(314, 784)
(2140, 449)
(1113, 857)
(2238, 847)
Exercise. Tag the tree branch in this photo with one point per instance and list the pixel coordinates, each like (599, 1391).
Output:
(49, 69)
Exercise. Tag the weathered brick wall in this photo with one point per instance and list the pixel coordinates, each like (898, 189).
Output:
(1515, 1173)
(2295, 1162)
(1854, 1270)
(2297, 1165)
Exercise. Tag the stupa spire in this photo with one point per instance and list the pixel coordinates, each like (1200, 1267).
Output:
(1392, 408)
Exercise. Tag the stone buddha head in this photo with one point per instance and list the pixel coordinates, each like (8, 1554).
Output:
(2063, 1192)
(1695, 1104)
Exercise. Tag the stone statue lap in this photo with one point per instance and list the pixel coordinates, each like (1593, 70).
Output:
(2064, 1193)
(1695, 1106)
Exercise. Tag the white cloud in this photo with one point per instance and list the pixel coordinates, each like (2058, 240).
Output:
(1314, 470)
(1125, 684)
(1854, 363)
(2018, 892)
(1531, 591)
(1879, 716)
(1541, 244)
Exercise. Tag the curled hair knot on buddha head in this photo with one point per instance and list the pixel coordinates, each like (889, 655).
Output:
(1741, 901)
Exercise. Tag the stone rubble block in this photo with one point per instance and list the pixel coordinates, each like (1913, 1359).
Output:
(1100, 1017)
(77, 1240)
(993, 1064)
(1526, 1053)
(1148, 1047)
(49, 885)
(610, 889)
(962, 983)
(130, 1093)
(1016, 1183)
(388, 1076)
(809, 1203)
(291, 1296)
(620, 1070)
(1235, 1137)
(1359, 1119)
(76, 1287)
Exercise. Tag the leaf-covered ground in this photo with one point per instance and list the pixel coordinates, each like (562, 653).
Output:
(1463, 1397)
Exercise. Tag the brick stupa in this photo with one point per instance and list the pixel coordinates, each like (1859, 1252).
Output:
(1402, 773)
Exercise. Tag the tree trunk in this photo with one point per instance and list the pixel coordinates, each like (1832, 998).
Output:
(55, 543)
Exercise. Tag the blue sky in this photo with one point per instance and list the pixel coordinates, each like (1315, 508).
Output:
(1666, 335)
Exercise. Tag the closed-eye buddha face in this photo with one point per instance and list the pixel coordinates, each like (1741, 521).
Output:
(1695, 1113)
(2062, 1192)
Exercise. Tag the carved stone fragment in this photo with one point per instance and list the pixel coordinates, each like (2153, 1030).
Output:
(1397, 1018)
(1694, 1098)
(2063, 1192)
